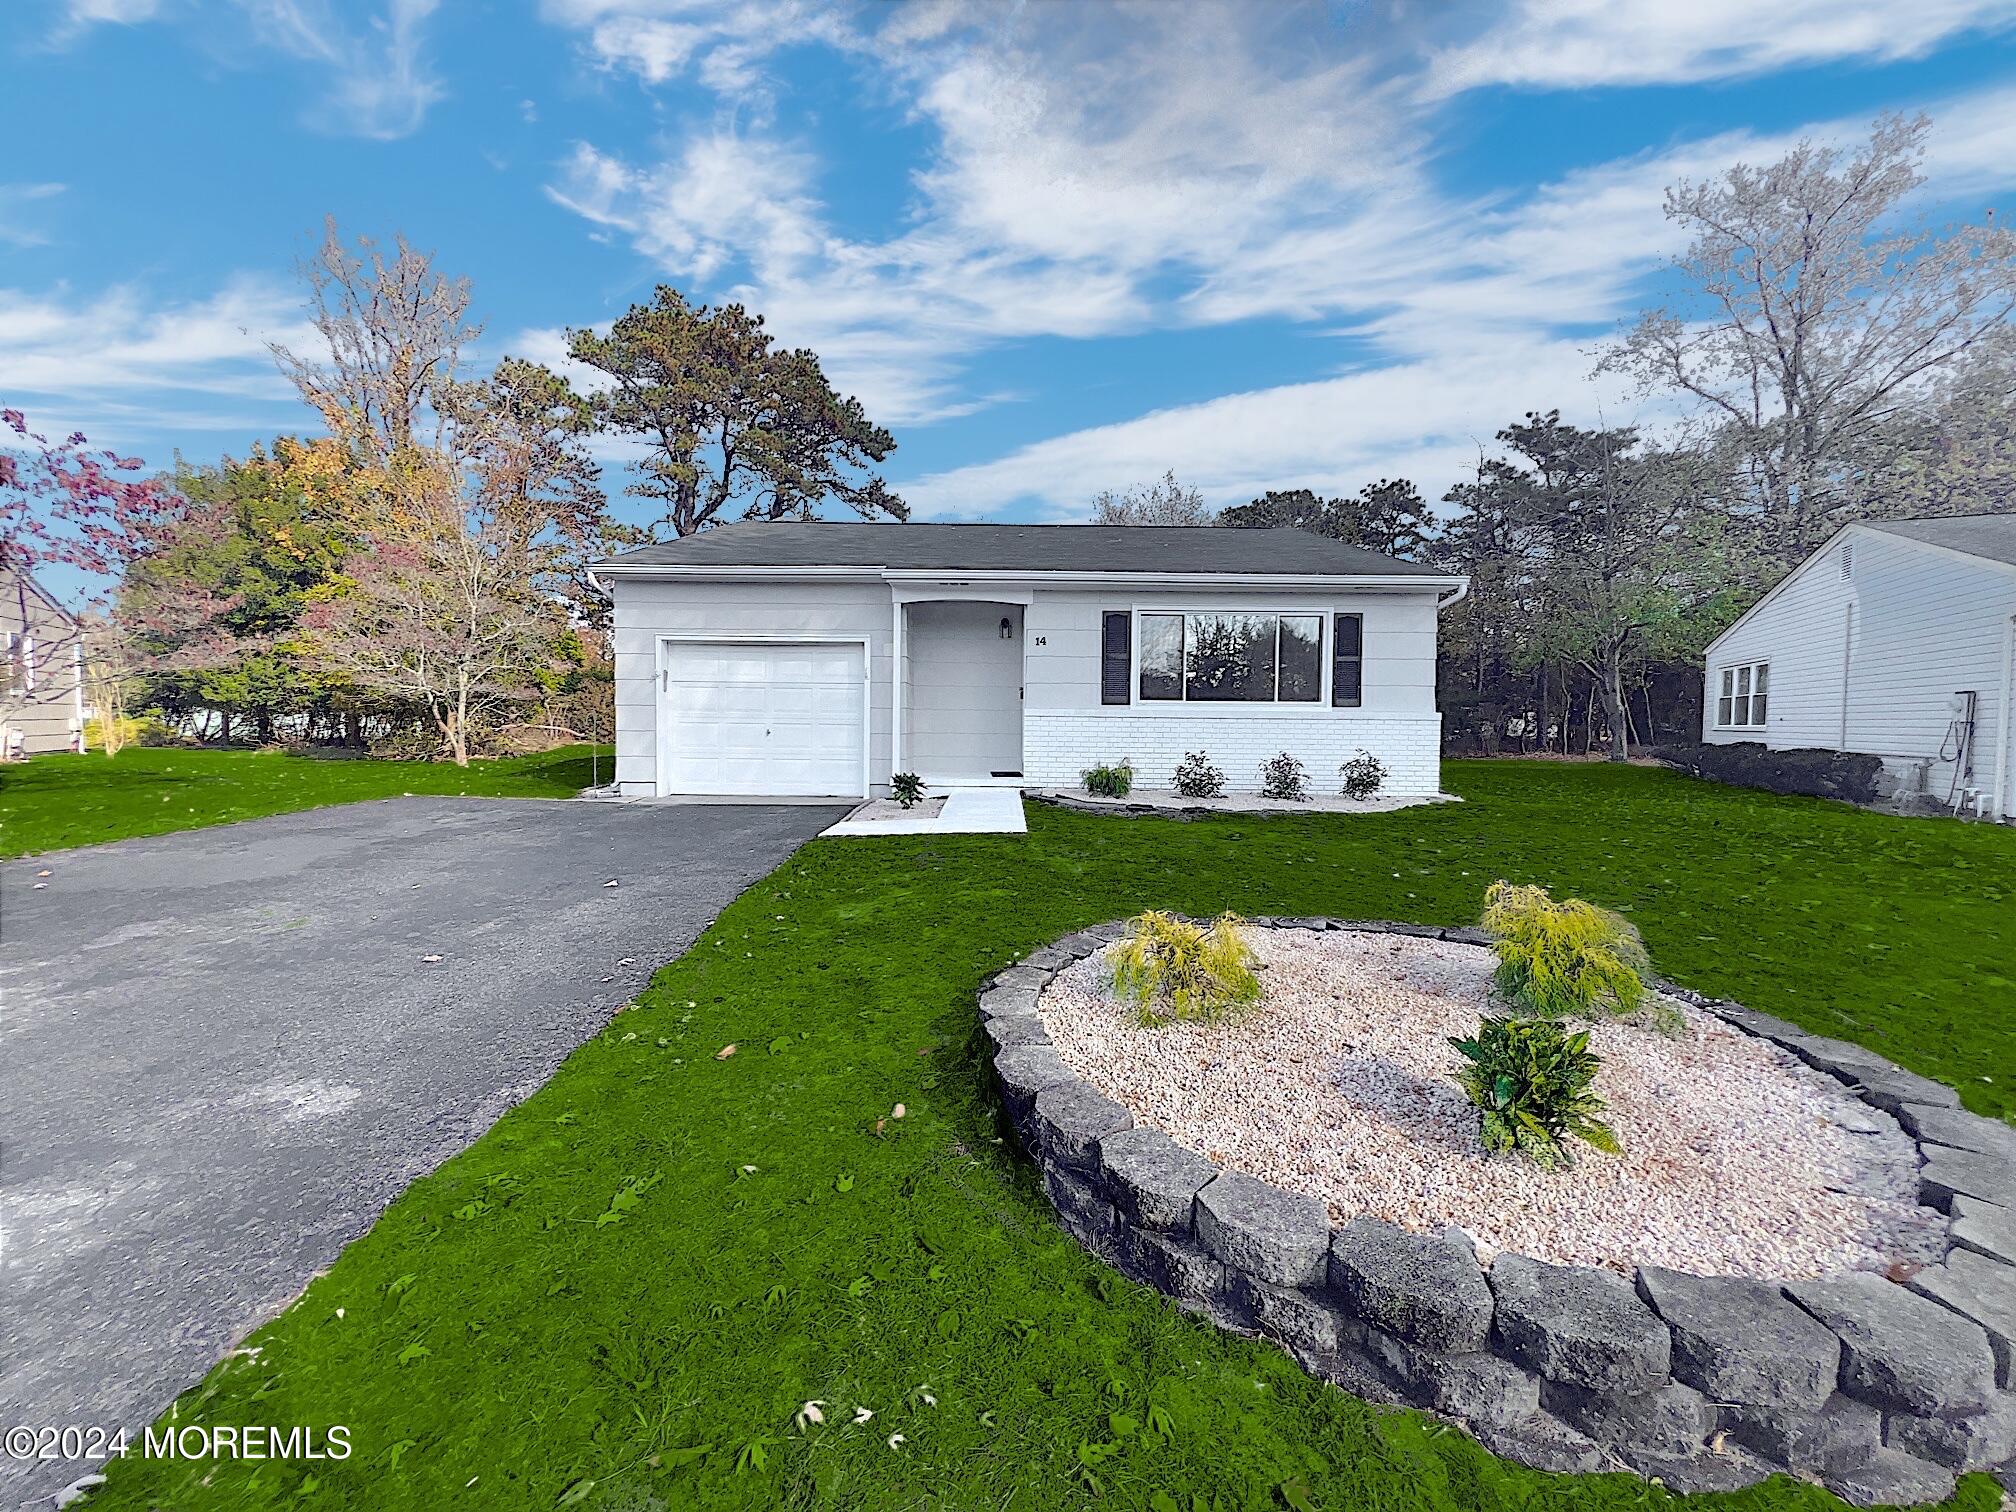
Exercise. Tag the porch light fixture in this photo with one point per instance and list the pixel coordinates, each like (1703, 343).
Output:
(1007, 628)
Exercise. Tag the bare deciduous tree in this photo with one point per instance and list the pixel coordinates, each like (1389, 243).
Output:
(1814, 318)
(394, 329)
(1166, 502)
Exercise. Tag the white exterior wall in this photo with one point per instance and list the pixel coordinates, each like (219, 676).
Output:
(1870, 663)
(1065, 727)
(647, 608)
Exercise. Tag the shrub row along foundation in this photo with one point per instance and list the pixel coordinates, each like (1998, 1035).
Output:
(1883, 1392)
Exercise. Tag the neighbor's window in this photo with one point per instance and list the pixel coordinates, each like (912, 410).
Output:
(1746, 689)
(1232, 658)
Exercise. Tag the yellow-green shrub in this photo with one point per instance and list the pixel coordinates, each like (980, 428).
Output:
(1170, 968)
(1563, 958)
(126, 730)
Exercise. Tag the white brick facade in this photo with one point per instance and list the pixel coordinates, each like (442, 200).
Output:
(1058, 747)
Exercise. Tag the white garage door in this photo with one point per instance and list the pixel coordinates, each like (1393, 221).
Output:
(780, 720)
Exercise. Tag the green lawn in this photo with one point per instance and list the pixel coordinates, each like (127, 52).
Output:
(51, 802)
(620, 1297)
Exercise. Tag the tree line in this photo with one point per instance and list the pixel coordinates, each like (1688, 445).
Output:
(412, 576)
(1823, 359)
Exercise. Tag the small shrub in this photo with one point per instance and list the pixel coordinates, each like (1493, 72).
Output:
(1110, 781)
(1563, 958)
(1364, 774)
(907, 788)
(1196, 777)
(1530, 1081)
(1283, 777)
(1170, 968)
(148, 729)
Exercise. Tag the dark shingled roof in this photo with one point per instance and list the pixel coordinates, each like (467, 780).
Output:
(1984, 535)
(1020, 548)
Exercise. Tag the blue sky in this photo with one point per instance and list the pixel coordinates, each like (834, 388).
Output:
(1055, 248)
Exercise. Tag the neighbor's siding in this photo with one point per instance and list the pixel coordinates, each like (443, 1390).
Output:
(51, 716)
(1871, 663)
(1066, 728)
(649, 608)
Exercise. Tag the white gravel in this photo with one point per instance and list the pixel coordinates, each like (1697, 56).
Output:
(889, 811)
(1738, 1159)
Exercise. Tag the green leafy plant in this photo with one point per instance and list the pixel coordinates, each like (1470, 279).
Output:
(1530, 1081)
(907, 788)
(1110, 781)
(1284, 776)
(1563, 958)
(1196, 777)
(1363, 775)
(1171, 968)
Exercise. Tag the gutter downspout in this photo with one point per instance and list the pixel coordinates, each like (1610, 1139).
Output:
(1456, 597)
(77, 692)
(2001, 802)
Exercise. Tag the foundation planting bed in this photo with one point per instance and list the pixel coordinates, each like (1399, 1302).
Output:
(1804, 1260)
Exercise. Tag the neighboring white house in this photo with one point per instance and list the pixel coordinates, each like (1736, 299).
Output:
(1897, 638)
(812, 659)
(42, 676)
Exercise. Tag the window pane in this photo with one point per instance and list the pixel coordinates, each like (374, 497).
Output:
(1742, 709)
(1301, 658)
(1757, 708)
(1231, 658)
(1728, 683)
(1742, 681)
(1723, 712)
(1161, 656)
(1763, 680)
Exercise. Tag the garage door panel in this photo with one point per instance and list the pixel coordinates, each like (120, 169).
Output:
(754, 719)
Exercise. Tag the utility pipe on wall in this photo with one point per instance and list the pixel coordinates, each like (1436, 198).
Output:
(2001, 799)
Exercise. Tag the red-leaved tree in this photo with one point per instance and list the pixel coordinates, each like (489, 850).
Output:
(64, 504)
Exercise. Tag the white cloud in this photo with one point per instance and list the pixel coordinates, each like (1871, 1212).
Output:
(1066, 180)
(1573, 44)
(117, 356)
(18, 226)
(78, 14)
(723, 42)
(1425, 419)
(1094, 173)
(381, 85)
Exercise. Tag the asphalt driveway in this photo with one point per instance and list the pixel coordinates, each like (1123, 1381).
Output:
(223, 1052)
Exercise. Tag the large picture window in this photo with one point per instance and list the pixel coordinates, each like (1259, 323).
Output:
(1745, 693)
(1231, 657)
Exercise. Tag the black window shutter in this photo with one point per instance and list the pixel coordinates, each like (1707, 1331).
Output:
(1347, 661)
(1116, 655)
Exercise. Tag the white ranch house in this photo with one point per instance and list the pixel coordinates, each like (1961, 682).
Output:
(813, 659)
(1897, 638)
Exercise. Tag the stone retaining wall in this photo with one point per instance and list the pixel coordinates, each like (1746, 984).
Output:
(1883, 1392)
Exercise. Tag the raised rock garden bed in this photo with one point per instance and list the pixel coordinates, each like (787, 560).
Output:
(1882, 1389)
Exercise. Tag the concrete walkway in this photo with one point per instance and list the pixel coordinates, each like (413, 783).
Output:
(967, 811)
(224, 1052)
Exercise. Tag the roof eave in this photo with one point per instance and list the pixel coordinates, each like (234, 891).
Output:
(1056, 577)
